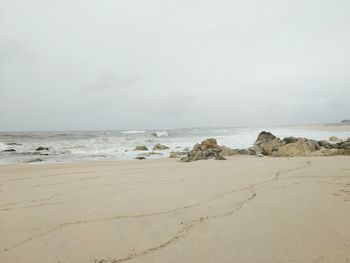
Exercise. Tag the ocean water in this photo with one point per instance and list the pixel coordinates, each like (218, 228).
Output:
(118, 145)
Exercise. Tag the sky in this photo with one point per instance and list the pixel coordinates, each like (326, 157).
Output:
(158, 64)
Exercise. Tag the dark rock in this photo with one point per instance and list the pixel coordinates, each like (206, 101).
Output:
(140, 158)
(327, 144)
(13, 144)
(141, 148)
(343, 145)
(160, 147)
(42, 148)
(9, 150)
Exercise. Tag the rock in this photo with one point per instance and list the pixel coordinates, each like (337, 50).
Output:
(327, 144)
(226, 151)
(343, 145)
(334, 139)
(141, 148)
(266, 143)
(302, 147)
(259, 155)
(35, 160)
(159, 146)
(208, 149)
(9, 150)
(140, 158)
(40, 148)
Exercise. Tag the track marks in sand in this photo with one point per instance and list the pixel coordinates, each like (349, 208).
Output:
(184, 230)
(256, 186)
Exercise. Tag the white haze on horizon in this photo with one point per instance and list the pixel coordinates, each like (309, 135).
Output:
(90, 65)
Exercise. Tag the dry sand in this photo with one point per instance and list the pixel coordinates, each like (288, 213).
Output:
(245, 209)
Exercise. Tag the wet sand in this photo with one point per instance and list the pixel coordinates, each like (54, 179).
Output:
(245, 209)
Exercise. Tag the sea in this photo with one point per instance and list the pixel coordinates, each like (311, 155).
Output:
(73, 146)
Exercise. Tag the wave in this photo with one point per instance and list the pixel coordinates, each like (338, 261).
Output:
(133, 132)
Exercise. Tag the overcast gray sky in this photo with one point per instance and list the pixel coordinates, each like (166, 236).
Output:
(137, 64)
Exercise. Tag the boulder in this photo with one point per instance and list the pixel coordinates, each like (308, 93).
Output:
(159, 146)
(226, 151)
(327, 144)
(140, 158)
(302, 147)
(141, 148)
(343, 145)
(266, 143)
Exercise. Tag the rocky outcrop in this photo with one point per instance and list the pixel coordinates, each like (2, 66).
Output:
(270, 145)
(267, 144)
(141, 148)
(208, 149)
(159, 146)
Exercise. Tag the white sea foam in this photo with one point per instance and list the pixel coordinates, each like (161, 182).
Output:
(133, 132)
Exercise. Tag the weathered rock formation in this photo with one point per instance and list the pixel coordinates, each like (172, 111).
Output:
(268, 144)
(208, 149)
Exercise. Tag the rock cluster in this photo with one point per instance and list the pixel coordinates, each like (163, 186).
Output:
(208, 149)
(268, 144)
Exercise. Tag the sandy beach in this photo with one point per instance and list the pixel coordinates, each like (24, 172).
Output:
(245, 209)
